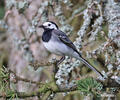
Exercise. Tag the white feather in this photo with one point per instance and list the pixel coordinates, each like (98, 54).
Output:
(52, 26)
(60, 49)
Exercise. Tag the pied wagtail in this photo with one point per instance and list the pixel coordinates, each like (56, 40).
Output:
(57, 42)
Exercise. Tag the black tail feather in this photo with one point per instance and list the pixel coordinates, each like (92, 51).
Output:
(90, 66)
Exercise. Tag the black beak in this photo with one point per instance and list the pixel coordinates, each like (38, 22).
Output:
(41, 26)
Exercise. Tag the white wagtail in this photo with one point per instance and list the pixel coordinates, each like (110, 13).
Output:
(57, 42)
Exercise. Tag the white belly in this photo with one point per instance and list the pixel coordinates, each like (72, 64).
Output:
(58, 48)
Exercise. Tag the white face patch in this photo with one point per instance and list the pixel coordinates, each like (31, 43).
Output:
(49, 25)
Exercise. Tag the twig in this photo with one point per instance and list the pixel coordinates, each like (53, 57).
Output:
(24, 79)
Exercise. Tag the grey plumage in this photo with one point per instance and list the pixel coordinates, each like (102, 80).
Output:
(60, 44)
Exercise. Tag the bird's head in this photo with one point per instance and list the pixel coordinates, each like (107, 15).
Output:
(49, 25)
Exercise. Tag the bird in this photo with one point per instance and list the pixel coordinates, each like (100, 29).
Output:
(57, 42)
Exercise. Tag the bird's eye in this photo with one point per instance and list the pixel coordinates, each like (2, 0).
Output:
(49, 24)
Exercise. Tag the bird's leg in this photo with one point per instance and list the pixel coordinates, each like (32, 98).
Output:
(61, 60)
(58, 62)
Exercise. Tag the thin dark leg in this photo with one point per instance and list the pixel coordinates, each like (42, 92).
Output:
(61, 60)
(58, 62)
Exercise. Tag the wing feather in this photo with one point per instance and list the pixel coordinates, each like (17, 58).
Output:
(64, 38)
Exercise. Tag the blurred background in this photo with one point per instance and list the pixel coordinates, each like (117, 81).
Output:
(24, 60)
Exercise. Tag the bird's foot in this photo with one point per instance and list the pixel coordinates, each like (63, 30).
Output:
(57, 63)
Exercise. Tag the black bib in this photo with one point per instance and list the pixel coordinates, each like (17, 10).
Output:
(46, 35)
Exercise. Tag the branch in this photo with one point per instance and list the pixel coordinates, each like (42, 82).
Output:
(36, 64)
(47, 89)
(17, 78)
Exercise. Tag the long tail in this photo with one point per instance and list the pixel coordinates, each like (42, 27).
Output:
(90, 66)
